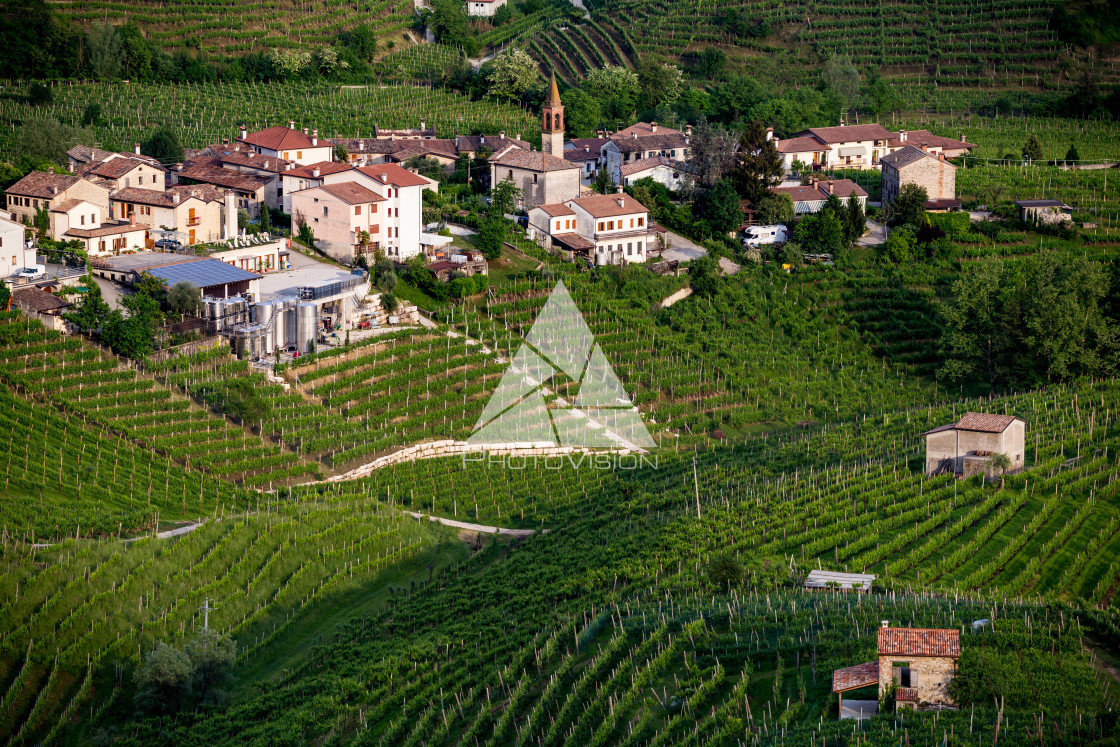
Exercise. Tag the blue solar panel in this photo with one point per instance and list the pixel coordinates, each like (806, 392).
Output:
(202, 273)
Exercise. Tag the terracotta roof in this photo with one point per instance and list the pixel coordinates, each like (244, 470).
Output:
(1020, 203)
(437, 266)
(471, 143)
(919, 642)
(556, 209)
(117, 167)
(203, 192)
(800, 145)
(574, 241)
(39, 184)
(861, 675)
(659, 141)
(842, 188)
(351, 193)
(905, 156)
(391, 173)
(33, 299)
(985, 423)
(645, 164)
(67, 205)
(86, 154)
(927, 138)
(105, 229)
(848, 133)
(208, 174)
(646, 128)
(940, 429)
(535, 160)
(434, 147)
(325, 167)
(606, 206)
(280, 138)
(373, 145)
(250, 159)
(942, 204)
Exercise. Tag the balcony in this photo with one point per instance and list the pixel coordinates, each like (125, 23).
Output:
(194, 221)
(631, 233)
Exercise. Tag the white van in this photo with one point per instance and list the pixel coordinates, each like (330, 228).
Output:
(759, 235)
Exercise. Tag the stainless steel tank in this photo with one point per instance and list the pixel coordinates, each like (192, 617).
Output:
(268, 342)
(280, 327)
(308, 325)
(291, 324)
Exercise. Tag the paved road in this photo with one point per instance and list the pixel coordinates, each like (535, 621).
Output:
(686, 250)
(876, 236)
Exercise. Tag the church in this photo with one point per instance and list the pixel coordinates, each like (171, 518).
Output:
(543, 176)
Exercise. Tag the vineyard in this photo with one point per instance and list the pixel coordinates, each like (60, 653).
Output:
(234, 26)
(205, 113)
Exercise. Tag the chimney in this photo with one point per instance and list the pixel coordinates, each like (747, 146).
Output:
(812, 181)
(962, 137)
(885, 623)
(940, 156)
(830, 186)
(482, 139)
(776, 141)
(902, 136)
(598, 133)
(384, 177)
(841, 122)
(54, 190)
(925, 148)
(423, 125)
(769, 133)
(688, 130)
(132, 217)
(618, 190)
(502, 134)
(244, 131)
(653, 127)
(314, 137)
(225, 141)
(231, 215)
(315, 171)
(266, 164)
(291, 124)
(252, 154)
(361, 145)
(174, 198)
(50, 169)
(587, 149)
(634, 134)
(136, 148)
(518, 136)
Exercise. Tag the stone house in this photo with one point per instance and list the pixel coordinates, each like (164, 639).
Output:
(919, 663)
(485, 8)
(46, 307)
(542, 178)
(662, 170)
(1044, 211)
(125, 171)
(859, 146)
(192, 213)
(641, 141)
(913, 165)
(966, 446)
(337, 214)
(250, 191)
(47, 189)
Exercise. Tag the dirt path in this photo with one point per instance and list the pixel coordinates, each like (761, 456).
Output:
(176, 532)
(480, 528)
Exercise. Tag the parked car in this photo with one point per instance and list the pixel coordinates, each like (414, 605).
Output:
(167, 245)
(759, 235)
(32, 273)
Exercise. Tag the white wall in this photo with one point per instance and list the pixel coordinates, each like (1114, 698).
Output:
(14, 254)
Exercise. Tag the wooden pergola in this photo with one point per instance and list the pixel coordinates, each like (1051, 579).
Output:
(853, 678)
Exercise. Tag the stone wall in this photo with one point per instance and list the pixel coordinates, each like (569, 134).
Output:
(945, 447)
(929, 675)
(938, 177)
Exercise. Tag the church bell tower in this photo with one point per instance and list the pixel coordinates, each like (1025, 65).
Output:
(552, 121)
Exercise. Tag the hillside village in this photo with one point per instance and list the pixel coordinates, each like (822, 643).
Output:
(559, 373)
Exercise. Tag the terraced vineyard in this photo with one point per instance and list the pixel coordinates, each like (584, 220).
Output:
(235, 26)
(206, 113)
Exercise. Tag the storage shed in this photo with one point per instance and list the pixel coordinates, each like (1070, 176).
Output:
(966, 446)
(840, 581)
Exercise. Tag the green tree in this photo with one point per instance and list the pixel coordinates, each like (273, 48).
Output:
(39, 94)
(105, 51)
(711, 153)
(725, 570)
(163, 145)
(163, 680)
(1072, 155)
(136, 53)
(265, 219)
(450, 25)
(712, 61)
(42, 223)
(91, 311)
(212, 656)
(1002, 462)
(512, 74)
(184, 298)
(615, 88)
(857, 220)
(1032, 149)
(759, 165)
(908, 206)
(732, 99)
(363, 41)
(974, 337)
(704, 276)
(900, 245)
(491, 236)
(91, 115)
(340, 153)
(772, 209)
(504, 197)
(43, 142)
(582, 113)
(841, 79)
(604, 183)
(243, 400)
(879, 95)
(791, 254)
(660, 84)
(721, 209)
(821, 233)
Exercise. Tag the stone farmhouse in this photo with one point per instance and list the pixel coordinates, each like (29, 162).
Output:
(586, 151)
(543, 178)
(859, 146)
(46, 189)
(813, 196)
(918, 663)
(966, 446)
(1044, 211)
(914, 165)
(250, 191)
(192, 212)
(601, 229)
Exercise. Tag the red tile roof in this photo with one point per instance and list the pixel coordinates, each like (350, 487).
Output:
(645, 164)
(906, 694)
(351, 192)
(606, 206)
(919, 642)
(536, 160)
(861, 675)
(40, 183)
(556, 209)
(391, 173)
(325, 167)
(849, 133)
(842, 188)
(985, 423)
(208, 174)
(280, 138)
(646, 128)
(800, 145)
(927, 138)
(33, 299)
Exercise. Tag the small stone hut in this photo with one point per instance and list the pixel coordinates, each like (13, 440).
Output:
(920, 662)
(966, 446)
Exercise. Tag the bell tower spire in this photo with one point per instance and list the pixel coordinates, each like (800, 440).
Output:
(552, 121)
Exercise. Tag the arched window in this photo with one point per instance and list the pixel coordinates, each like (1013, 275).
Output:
(556, 121)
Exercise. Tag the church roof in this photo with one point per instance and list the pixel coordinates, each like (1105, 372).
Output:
(553, 92)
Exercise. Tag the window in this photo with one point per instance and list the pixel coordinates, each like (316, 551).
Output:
(641, 222)
(601, 224)
(83, 221)
(557, 225)
(373, 209)
(629, 248)
(556, 121)
(286, 154)
(534, 178)
(357, 210)
(509, 173)
(902, 674)
(610, 225)
(299, 154)
(326, 211)
(639, 247)
(631, 222)
(569, 224)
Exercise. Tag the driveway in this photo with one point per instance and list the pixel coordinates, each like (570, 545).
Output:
(686, 250)
(877, 234)
(111, 292)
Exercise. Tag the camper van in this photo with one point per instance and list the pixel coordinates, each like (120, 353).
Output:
(759, 235)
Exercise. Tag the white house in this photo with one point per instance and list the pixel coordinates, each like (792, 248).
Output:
(663, 170)
(484, 7)
(79, 220)
(15, 254)
(338, 214)
(288, 143)
(640, 141)
(312, 175)
(859, 146)
(604, 229)
(404, 194)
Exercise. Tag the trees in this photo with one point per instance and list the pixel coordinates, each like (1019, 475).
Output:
(1072, 154)
(704, 275)
(212, 656)
(1032, 149)
(265, 219)
(105, 51)
(512, 74)
(615, 88)
(737, 96)
(759, 166)
(163, 145)
(711, 62)
(450, 25)
(725, 570)
(340, 153)
(491, 236)
(774, 210)
(660, 84)
(908, 206)
(163, 680)
(720, 208)
(44, 142)
(184, 298)
(91, 310)
(821, 233)
(712, 153)
(1002, 462)
(363, 42)
(841, 79)
(39, 94)
(900, 245)
(604, 182)
(582, 113)
(857, 220)
(504, 197)
(243, 400)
